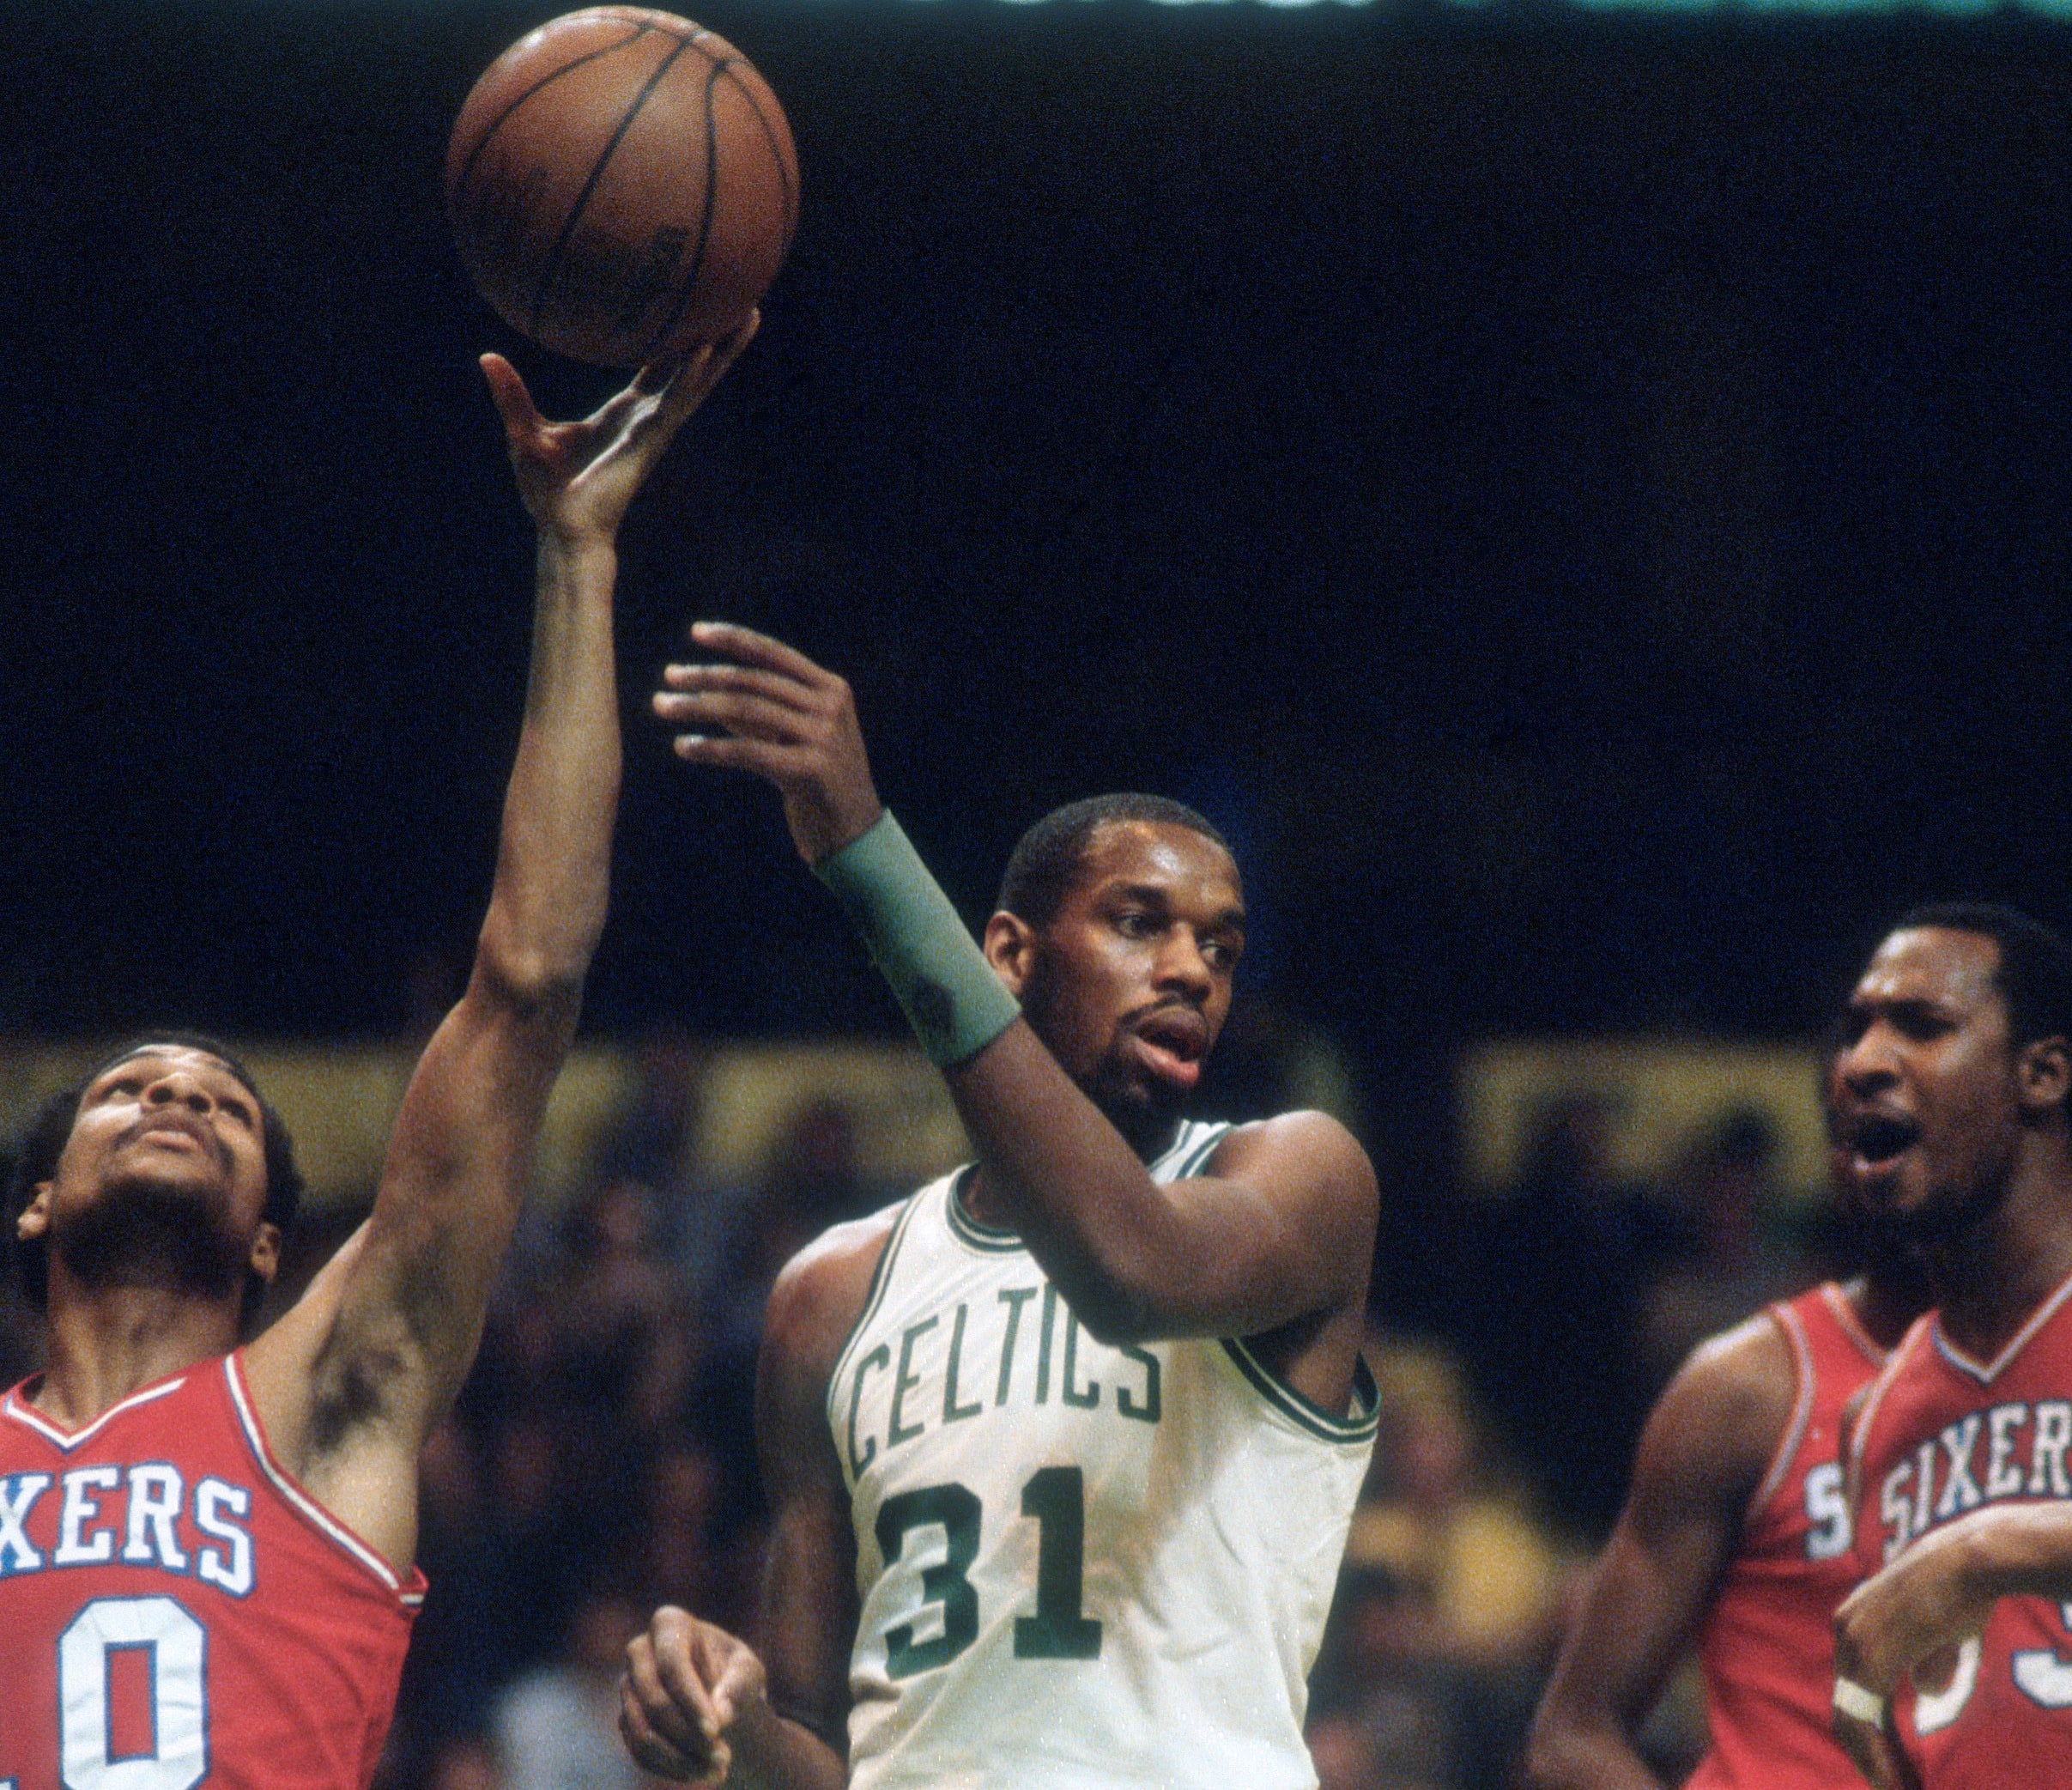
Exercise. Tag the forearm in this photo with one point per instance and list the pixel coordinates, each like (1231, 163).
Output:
(547, 909)
(2020, 1550)
(1073, 1188)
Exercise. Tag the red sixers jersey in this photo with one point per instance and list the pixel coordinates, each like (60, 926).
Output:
(175, 1612)
(1941, 1435)
(1767, 1647)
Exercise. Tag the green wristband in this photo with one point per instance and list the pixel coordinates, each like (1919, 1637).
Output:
(952, 998)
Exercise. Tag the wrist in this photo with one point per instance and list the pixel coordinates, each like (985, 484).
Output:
(952, 998)
(841, 831)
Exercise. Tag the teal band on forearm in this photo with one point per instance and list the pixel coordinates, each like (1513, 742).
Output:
(952, 998)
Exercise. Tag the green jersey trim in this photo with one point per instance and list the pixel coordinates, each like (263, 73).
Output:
(1361, 1426)
(880, 1277)
(988, 1239)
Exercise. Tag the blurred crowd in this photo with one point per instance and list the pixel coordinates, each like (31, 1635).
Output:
(601, 1459)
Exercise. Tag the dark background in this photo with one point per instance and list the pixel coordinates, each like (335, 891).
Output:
(1582, 500)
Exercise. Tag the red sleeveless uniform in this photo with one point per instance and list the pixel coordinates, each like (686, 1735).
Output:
(1941, 1434)
(1767, 1647)
(175, 1612)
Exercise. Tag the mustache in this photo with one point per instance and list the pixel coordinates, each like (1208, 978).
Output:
(205, 1134)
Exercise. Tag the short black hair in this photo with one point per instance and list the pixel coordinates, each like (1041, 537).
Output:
(1044, 860)
(2034, 973)
(44, 1142)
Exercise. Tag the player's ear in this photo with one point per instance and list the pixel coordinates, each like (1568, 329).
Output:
(264, 1258)
(1010, 948)
(2044, 1074)
(35, 1219)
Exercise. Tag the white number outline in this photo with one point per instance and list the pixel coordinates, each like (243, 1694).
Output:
(2041, 1675)
(179, 1696)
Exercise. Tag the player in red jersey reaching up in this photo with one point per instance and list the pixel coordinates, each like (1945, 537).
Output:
(1736, 1536)
(1953, 1662)
(206, 1551)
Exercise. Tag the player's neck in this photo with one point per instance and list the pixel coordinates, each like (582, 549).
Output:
(1990, 1278)
(103, 1345)
(1886, 1301)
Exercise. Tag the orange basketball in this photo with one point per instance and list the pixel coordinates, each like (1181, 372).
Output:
(622, 185)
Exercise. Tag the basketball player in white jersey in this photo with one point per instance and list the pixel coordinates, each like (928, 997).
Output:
(1063, 1449)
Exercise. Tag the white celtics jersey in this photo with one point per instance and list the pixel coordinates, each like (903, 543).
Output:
(1079, 1565)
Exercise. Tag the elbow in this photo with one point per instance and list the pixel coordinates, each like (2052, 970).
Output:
(541, 989)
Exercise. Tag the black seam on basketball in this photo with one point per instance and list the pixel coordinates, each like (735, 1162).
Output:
(777, 153)
(590, 185)
(496, 124)
(661, 333)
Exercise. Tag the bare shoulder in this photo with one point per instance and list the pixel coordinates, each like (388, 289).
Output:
(1304, 1150)
(1719, 1421)
(820, 1294)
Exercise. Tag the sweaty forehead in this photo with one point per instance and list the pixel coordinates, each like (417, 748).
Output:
(1155, 851)
(1937, 963)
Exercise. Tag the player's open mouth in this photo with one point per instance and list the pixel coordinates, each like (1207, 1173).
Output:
(1173, 1040)
(1878, 1139)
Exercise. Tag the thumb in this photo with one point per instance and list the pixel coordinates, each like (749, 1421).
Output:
(736, 1683)
(521, 418)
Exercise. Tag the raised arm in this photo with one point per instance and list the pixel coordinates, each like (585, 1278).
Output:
(700, 1704)
(1707, 1444)
(349, 1382)
(1279, 1232)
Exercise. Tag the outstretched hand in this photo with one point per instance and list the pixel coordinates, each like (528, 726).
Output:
(765, 707)
(578, 478)
(686, 1683)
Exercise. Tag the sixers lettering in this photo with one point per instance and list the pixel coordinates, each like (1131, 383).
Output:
(206, 1553)
(162, 1539)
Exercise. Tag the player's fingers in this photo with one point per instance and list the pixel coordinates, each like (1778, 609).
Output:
(521, 418)
(706, 364)
(656, 378)
(740, 1677)
(774, 764)
(724, 352)
(748, 646)
(678, 1669)
(651, 1751)
(772, 686)
(746, 717)
(661, 1715)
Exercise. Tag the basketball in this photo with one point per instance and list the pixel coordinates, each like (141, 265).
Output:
(622, 185)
